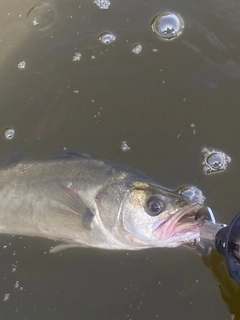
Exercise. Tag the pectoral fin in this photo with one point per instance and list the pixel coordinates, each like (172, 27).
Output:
(73, 204)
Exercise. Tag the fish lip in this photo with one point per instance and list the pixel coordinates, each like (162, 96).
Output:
(172, 225)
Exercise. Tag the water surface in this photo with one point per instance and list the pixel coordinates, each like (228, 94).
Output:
(168, 102)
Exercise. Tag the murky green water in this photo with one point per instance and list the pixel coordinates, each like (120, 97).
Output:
(167, 103)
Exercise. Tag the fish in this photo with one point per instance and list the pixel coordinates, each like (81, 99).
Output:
(82, 201)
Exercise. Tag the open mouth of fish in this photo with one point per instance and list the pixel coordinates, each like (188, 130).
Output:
(181, 224)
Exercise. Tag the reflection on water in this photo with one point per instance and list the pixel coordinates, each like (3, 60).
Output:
(167, 103)
(230, 290)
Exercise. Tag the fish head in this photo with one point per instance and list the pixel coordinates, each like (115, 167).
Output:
(155, 217)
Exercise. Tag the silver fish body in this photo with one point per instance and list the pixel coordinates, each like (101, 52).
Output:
(83, 201)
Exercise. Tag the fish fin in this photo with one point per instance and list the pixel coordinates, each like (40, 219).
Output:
(74, 155)
(64, 246)
(71, 200)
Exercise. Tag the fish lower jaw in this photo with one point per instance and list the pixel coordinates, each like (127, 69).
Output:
(180, 235)
(177, 239)
(179, 228)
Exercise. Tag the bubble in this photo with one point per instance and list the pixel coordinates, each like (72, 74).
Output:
(76, 57)
(214, 160)
(125, 146)
(102, 4)
(168, 25)
(137, 48)
(192, 194)
(42, 16)
(9, 133)
(22, 64)
(107, 37)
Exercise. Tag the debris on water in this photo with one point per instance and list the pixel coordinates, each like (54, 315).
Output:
(6, 296)
(22, 64)
(102, 4)
(214, 160)
(192, 125)
(168, 25)
(137, 48)
(107, 37)
(35, 22)
(8, 133)
(125, 146)
(14, 266)
(76, 57)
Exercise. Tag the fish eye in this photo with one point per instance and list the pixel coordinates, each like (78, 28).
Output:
(155, 206)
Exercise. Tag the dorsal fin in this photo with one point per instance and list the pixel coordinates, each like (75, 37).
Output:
(75, 155)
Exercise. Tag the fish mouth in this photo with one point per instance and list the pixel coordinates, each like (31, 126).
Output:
(181, 226)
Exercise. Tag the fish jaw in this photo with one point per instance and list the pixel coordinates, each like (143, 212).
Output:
(178, 228)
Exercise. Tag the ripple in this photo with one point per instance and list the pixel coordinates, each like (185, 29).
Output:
(43, 16)
(49, 17)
